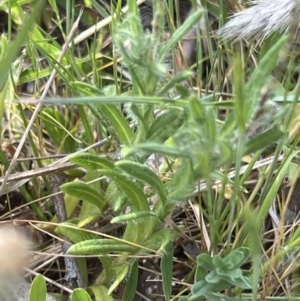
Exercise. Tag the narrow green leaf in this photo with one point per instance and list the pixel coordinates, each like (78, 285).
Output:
(91, 161)
(50, 50)
(176, 79)
(100, 293)
(254, 242)
(198, 114)
(38, 290)
(86, 123)
(273, 190)
(135, 194)
(137, 80)
(159, 239)
(258, 77)
(99, 246)
(182, 182)
(119, 123)
(89, 218)
(166, 267)
(119, 99)
(86, 88)
(162, 122)
(144, 174)
(180, 32)
(134, 216)
(30, 75)
(145, 230)
(73, 233)
(131, 283)
(153, 147)
(121, 273)
(7, 88)
(239, 99)
(15, 47)
(85, 192)
(263, 140)
(59, 129)
(110, 111)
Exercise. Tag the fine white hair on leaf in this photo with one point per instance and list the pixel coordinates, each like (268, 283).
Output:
(261, 20)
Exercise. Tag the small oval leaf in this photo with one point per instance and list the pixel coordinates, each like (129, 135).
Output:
(38, 289)
(143, 173)
(85, 192)
(80, 294)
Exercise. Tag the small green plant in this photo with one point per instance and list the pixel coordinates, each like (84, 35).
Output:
(216, 274)
(202, 124)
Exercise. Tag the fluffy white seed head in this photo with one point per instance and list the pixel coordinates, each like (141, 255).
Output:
(262, 19)
(14, 247)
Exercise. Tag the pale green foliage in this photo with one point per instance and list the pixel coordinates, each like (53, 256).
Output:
(201, 137)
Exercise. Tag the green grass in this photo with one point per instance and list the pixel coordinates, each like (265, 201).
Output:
(225, 131)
